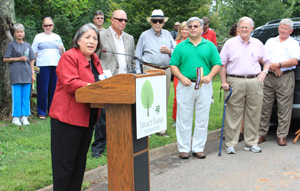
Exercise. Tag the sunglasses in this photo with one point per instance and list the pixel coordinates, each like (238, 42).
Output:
(98, 18)
(195, 26)
(121, 20)
(155, 21)
(48, 25)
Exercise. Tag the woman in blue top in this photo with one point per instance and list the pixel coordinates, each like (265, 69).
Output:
(20, 57)
(48, 48)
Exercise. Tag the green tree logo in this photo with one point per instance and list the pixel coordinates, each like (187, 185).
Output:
(147, 95)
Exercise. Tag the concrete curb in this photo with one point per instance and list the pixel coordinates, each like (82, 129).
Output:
(100, 173)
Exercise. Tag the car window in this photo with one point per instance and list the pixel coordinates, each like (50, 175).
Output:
(296, 33)
(264, 33)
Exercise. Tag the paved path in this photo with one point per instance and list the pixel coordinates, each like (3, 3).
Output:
(275, 169)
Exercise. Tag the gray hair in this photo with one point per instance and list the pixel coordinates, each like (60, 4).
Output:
(192, 19)
(18, 27)
(81, 31)
(245, 18)
(98, 12)
(287, 22)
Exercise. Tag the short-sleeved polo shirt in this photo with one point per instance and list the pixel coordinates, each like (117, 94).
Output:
(188, 57)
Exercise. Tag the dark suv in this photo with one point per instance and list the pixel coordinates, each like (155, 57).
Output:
(263, 33)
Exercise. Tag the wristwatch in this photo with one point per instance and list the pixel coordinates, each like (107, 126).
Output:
(266, 71)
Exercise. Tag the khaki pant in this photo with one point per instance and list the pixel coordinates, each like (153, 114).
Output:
(282, 89)
(245, 102)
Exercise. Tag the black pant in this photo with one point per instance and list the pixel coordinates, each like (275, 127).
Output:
(100, 134)
(69, 147)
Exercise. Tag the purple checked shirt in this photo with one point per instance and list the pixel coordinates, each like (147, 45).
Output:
(244, 59)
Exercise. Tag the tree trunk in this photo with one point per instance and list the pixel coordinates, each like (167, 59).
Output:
(7, 18)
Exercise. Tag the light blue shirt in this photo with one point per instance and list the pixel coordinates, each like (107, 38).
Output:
(148, 48)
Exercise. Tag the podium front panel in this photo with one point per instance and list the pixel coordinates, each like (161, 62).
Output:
(141, 172)
(138, 144)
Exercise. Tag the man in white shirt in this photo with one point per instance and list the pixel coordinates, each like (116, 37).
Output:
(280, 82)
(113, 40)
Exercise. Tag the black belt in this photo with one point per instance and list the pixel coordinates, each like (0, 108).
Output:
(247, 76)
(284, 72)
(156, 66)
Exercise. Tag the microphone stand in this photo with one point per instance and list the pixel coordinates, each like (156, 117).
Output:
(134, 57)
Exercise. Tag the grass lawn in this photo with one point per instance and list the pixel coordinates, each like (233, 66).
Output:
(25, 159)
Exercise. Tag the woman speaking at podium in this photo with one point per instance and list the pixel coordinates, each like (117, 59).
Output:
(72, 123)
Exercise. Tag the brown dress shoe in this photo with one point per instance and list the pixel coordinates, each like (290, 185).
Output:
(199, 155)
(281, 141)
(261, 139)
(183, 155)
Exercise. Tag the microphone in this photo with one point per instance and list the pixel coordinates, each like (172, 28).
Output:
(134, 57)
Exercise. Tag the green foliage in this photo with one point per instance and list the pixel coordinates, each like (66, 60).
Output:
(261, 11)
(147, 96)
(68, 16)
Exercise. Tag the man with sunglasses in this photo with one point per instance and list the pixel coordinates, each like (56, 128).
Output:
(188, 57)
(99, 20)
(113, 41)
(155, 47)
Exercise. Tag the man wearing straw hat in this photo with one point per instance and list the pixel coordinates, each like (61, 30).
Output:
(155, 47)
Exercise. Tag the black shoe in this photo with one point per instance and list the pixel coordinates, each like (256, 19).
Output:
(163, 134)
(96, 154)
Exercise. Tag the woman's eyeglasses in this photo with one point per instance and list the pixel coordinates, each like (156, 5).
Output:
(48, 25)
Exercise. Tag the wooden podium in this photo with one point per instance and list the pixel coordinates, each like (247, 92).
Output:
(127, 156)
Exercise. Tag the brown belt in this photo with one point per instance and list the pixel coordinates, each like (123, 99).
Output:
(193, 80)
(157, 66)
(284, 72)
(247, 76)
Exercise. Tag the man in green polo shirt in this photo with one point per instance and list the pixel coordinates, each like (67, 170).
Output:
(189, 55)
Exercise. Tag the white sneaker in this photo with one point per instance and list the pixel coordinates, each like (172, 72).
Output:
(24, 120)
(16, 121)
(253, 148)
(230, 150)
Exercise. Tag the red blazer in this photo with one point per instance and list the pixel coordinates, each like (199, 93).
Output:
(73, 72)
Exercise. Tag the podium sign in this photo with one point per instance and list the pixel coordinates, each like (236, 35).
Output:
(151, 106)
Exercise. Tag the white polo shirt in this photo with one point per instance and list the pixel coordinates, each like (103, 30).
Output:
(283, 51)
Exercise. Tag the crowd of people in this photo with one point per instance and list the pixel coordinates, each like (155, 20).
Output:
(258, 74)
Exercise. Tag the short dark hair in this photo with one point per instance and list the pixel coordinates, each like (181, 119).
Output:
(81, 31)
(206, 20)
(47, 17)
(233, 29)
(98, 12)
